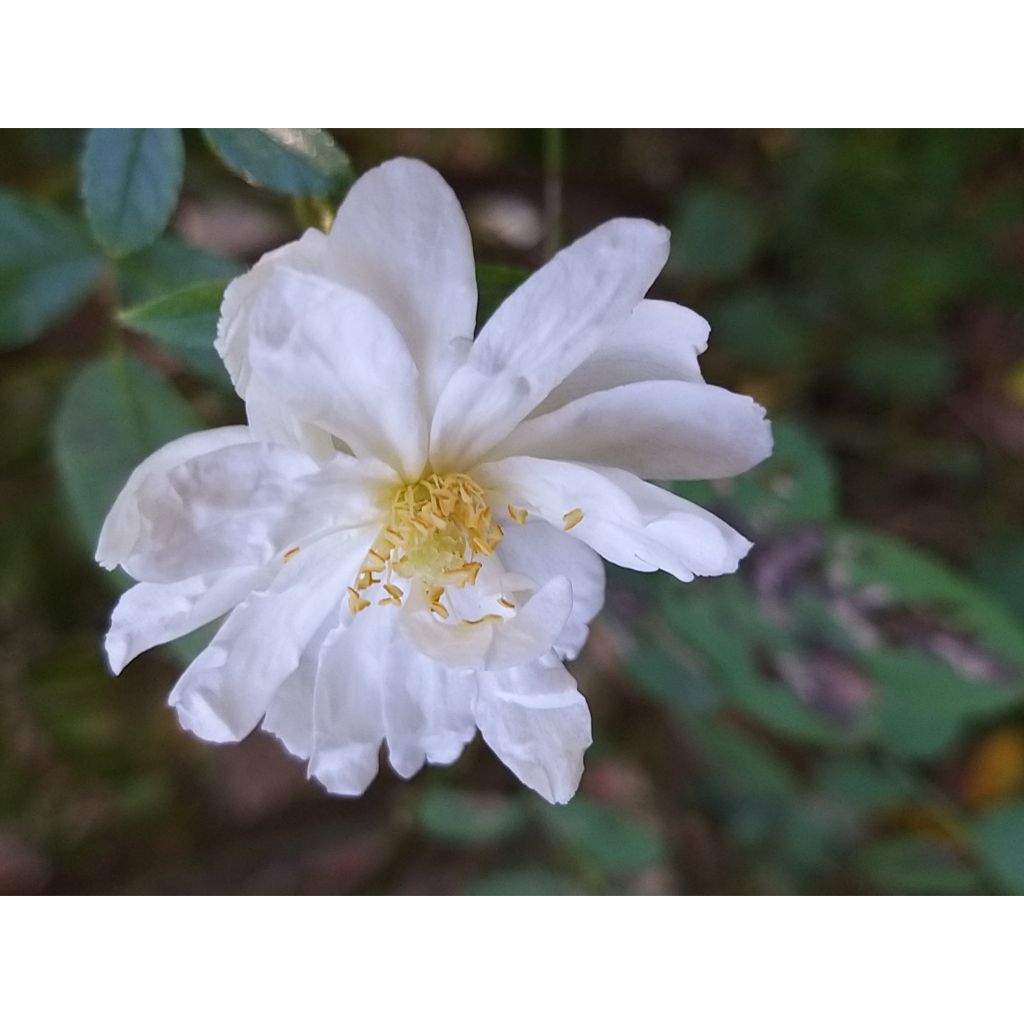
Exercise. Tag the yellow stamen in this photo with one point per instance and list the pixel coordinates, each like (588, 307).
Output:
(484, 618)
(290, 553)
(356, 602)
(572, 518)
(517, 514)
(434, 529)
(507, 604)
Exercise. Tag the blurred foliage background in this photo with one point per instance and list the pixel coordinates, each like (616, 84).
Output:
(845, 715)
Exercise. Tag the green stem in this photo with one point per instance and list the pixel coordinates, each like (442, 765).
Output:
(554, 159)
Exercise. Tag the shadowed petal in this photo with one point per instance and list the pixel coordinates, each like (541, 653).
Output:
(336, 361)
(541, 552)
(660, 341)
(155, 613)
(123, 524)
(228, 688)
(536, 721)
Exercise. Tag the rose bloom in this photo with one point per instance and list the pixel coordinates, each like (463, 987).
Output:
(405, 538)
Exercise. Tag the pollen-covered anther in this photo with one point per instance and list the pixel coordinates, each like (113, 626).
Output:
(517, 515)
(433, 531)
(572, 518)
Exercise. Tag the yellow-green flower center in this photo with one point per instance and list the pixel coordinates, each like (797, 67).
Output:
(434, 533)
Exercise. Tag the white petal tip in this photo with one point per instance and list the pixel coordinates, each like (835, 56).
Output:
(198, 718)
(116, 648)
(347, 771)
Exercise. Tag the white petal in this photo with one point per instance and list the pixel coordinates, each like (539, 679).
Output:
(308, 253)
(348, 712)
(290, 714)
(541, 333)
(428, 711)
(660, 341)
(339, 363)
(121, 528)
(541, 551)
(523, 637)
(244, 505)
(226, 690)
(627, 521)
(536, 721)
(660, 429)
(150, 614)
(401, 239)
(271, 421)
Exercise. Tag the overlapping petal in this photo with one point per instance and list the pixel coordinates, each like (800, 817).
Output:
(155, 613)
(660, 341)
(124, 523)
(488, 646)
(657, 429)
(225, 692)
(307, 254)
(541, 333)
(244, 504)
(338, 362)
(625, 520)
(542, 552)
(535, 720)
(401, 239)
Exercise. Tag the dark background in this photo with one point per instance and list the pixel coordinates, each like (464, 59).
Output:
(842, 716)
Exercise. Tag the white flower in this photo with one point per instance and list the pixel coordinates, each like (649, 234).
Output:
(403, 537)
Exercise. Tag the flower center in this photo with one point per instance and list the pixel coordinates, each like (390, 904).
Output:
(434, 532)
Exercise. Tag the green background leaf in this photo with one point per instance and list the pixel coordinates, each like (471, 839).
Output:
(130, 183)
(464, 818)
(295, 161)
(999, 838)
(115, 412)
(47, 267)
(185, 323)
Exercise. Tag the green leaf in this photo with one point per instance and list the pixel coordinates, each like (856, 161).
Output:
(999, 839)
(115, 412)
(914, 866)
(494, 284)
(898, 574)
(860, 786)
(715, 234)
(699, 617)
(166, 266)
(48, 265)
(747, 766)
(523, 882)
(295, 161)
(604, 837)
(922, 705)
(467, 819)
(131, 178)
(758, 330)
(913, 374)
(185, 324)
